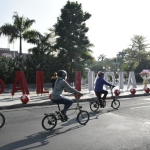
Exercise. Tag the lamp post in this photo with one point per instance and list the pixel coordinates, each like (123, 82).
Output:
(115, 60)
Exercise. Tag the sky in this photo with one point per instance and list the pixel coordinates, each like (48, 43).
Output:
(112, 25)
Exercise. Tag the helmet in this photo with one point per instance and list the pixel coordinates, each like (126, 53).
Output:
(100, 74)
(62, 73)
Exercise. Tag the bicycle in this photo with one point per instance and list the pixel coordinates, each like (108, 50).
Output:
(95, 105)
(2, 120)
(50, 120)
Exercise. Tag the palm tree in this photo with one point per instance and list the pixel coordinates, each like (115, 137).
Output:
(121, 54)
(102, 57)
(43, 44)
(19, 29)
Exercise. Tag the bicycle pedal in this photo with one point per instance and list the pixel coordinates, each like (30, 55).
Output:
(57, 112)
(64, 119)
(80, 106)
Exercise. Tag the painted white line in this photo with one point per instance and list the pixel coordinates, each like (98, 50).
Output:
(139, 107)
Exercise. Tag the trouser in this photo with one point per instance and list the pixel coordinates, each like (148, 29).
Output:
(67, 103)
(102, 92)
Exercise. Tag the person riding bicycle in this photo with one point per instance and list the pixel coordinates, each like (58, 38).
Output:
(60, 85)
(100, 82)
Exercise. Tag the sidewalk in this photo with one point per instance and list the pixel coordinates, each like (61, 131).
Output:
(9, 102)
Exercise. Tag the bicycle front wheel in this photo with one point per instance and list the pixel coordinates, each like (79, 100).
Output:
(83, 117)
(115, 104)
(49, 122)
(2, 120)
(94, 106)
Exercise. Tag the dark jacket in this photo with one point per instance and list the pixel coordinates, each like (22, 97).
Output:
(53, 80)
(100, 82)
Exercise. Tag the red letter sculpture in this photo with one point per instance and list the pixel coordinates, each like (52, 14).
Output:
(40, 82)
(21, 79)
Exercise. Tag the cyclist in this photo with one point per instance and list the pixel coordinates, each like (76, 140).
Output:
(99, 87)
(60, 85)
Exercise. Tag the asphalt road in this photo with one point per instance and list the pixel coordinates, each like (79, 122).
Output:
(127, 128)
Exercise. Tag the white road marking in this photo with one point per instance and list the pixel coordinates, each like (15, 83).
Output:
(139, 107)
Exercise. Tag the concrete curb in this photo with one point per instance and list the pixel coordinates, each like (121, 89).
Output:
(48, 102)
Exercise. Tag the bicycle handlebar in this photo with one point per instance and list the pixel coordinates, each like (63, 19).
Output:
(111, 87)
(78, 94)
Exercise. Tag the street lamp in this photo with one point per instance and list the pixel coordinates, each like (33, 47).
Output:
(115, 60)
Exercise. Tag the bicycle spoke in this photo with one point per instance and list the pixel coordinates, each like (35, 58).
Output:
(49, 122)
(83, 117)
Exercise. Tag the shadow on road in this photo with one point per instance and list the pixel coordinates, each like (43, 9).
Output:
(29, 140)
(36, 140)
(100, 112)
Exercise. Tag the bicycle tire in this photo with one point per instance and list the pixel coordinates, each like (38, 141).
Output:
(94, 106)
(115, 104)
(49, 122)
(2, 120)
(83, 117)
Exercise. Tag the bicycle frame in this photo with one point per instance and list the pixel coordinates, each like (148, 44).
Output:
(51, 119)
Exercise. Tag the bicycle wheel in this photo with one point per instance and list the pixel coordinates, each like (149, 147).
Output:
(49, 122)
(115, 104)
(94, 106)
(2, 120)
(83, 117)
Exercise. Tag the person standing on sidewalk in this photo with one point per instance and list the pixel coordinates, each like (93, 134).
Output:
(100, 82)
(53, 79)
(60, 85)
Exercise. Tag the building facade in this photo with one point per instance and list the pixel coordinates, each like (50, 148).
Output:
(5, 52)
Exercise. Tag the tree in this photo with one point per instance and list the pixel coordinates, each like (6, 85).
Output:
(19, 29)
(138, 43)
(101, 57)
(138, 51)
(43, 45)
(121, 54)
(137, 56)
(7, 69)
(72, 44)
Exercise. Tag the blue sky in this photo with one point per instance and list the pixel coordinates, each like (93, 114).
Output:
(111, 27)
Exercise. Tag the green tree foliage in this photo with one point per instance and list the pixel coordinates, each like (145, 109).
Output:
(43, 45)
(138, 43)
(137, 56)
(7, 72)
(46, 63)
(102, 57)
(138, 51)
(19, 29)
(72, 44)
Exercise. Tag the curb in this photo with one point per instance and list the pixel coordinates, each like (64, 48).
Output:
(46, 103)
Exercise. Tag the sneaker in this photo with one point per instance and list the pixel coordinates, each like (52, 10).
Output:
(102, 106)
(64, 116)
